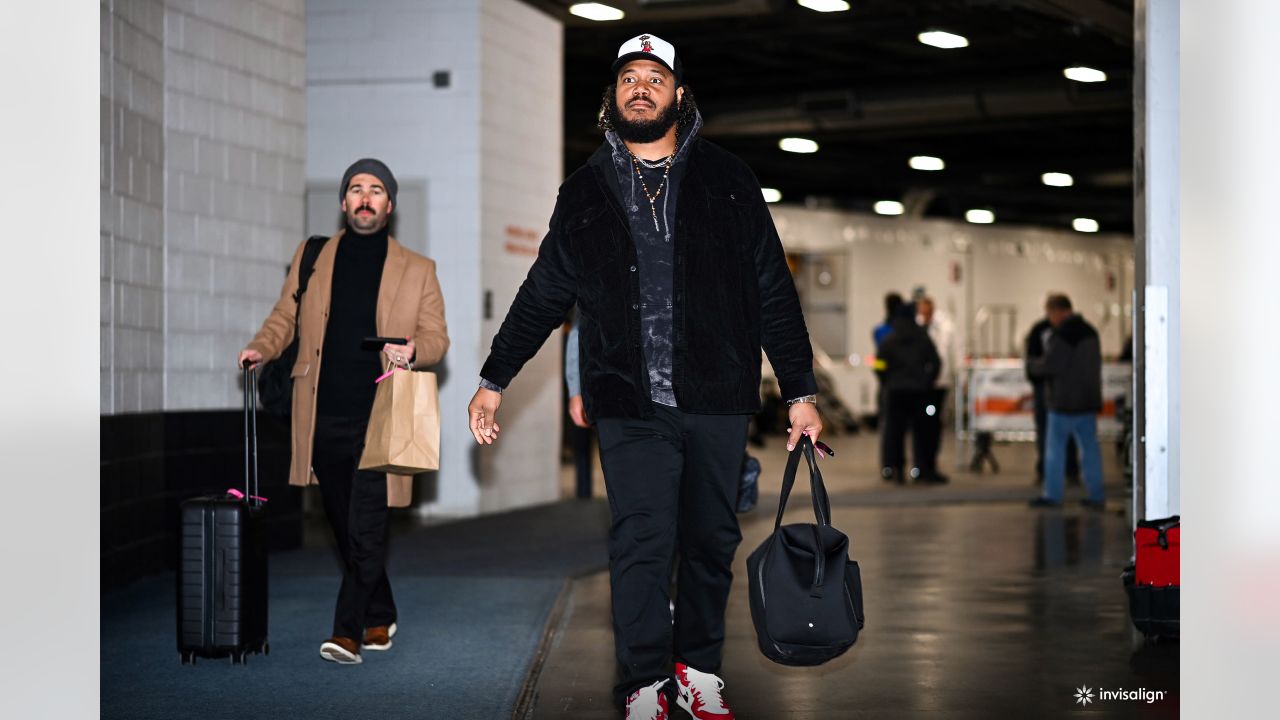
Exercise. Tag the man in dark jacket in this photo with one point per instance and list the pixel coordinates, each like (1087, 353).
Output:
(1072, 370)
(1033, 352)
(664, 241)
(910, 365)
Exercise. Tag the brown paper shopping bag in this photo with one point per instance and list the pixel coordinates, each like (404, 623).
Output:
(404, 427)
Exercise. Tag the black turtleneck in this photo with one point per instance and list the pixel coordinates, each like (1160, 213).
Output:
(346, 380)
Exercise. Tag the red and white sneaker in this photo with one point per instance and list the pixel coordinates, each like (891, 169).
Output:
(648, 703)
(699, 694)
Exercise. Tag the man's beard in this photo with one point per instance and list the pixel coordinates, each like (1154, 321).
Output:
(643, 131)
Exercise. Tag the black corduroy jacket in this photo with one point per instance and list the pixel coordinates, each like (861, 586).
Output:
(733, 294)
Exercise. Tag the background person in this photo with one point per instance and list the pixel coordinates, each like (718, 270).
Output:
(1072, 369)
(1033, 352)
(910, 369)
(942, 333)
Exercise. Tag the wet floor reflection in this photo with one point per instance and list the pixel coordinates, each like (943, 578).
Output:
(977, 610)
(1064, 540)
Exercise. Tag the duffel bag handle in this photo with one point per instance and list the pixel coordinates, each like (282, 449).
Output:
(821, 507)
(821, 503)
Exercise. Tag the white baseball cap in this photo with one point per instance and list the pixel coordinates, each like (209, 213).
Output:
(649, 47)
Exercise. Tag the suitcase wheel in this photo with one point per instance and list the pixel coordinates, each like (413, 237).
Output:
(188, 657)
(266, 648)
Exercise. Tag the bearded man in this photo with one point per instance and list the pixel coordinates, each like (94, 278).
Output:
(665, 243)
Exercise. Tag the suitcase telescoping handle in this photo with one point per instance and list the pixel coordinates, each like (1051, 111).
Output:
(251, 436)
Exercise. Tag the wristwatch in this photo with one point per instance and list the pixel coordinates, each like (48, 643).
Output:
(804, 399)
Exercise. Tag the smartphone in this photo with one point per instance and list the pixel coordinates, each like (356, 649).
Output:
(376, 343)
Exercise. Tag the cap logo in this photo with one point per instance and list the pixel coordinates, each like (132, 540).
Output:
(645, 45)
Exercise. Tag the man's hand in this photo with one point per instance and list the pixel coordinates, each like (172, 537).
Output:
(481, 415)
(253, 357)
(804, 421)
(578, 412)
(401, 355)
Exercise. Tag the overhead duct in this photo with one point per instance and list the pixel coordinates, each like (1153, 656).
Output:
(841, 112)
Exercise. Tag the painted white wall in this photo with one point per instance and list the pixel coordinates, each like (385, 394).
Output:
(201, 191)
(484, 154)
(1005, 266)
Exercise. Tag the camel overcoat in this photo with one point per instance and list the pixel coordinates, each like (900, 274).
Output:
(409, 305)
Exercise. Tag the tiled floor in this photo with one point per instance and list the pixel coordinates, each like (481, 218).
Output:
(977, 607)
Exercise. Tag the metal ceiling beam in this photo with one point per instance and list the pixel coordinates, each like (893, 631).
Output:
(1106, 18)
(914, 112)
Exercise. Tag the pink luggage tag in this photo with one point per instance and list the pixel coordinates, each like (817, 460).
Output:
(240, 496)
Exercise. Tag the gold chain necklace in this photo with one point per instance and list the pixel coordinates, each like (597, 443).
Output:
(653, 199)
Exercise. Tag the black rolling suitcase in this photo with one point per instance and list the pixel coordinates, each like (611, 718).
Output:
(222, 575)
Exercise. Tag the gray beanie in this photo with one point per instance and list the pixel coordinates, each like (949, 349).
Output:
(374, 167)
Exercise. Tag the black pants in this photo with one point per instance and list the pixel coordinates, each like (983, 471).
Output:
(1040, 405)
(582, 441)
(672, 481)
(905, 412)
(355, 502)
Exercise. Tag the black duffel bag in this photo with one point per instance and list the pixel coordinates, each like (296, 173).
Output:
(806, 594)
(275, 379)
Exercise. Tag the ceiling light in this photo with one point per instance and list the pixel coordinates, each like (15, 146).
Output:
(1084, 74)
(944, 40)
(798, 145)
(824, 5)
(1085, 225)
(982, 217)
(596, 11)
(926, 162)
(771, 194)
(1057, 179)
(888, 207)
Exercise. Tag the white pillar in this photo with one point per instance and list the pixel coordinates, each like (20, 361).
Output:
(1157, 312)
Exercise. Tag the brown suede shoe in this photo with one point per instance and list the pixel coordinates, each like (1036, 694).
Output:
(342, 650)
(379, 637)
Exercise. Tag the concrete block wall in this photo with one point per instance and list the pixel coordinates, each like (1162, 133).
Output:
(131, 184)
(202, 153)
(234, 135)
